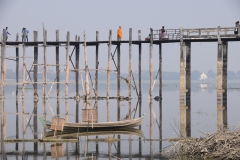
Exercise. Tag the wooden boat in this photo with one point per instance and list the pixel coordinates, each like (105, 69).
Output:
(78, 126)
(94, 132)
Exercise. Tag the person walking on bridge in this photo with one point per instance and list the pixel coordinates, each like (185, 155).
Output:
(162, 33)
(24, 29)
(7, 33)
(119, 33)
(236, 27)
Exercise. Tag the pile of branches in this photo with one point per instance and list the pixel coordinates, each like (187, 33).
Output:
(224, 144)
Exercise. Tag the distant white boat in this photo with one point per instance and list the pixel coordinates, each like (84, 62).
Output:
(203, 76)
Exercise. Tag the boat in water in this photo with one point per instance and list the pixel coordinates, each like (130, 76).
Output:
(78, 126)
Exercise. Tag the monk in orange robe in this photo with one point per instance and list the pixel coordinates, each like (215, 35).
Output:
(119, 33)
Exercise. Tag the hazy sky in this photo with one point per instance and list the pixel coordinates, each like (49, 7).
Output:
(78, 15)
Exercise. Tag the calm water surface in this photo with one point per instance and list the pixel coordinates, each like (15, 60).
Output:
(128, 145)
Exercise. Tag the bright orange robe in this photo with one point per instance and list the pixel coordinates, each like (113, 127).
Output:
(119, 34)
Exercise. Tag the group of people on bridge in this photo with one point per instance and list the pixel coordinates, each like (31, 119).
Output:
(119, 32)
(23, 30)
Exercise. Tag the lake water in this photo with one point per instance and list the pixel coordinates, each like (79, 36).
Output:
(128, 145)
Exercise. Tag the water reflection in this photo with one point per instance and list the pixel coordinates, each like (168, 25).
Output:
(109, 143)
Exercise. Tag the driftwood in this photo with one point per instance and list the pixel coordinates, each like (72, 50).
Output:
(224, 144)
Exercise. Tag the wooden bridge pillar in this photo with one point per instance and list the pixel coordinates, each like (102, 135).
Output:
(45, 64)
(222, 85)
(17, 75)
(140, 66)
(150, 63)
(2, 88)
(77, 52)
(67, 74)
(130, 75)
(160, 93)
(185, 89)
(35, 119)
(118, 93)
(57, 73)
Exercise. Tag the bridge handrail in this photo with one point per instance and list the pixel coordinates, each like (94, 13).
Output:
(172, 34)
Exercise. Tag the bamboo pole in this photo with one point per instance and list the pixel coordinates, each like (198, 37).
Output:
(67, 74)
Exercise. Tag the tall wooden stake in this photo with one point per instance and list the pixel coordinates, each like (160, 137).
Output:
(67, 74)
(35, 118)
(77, 52)
(57, 73)
(139, 65)
(17, 78)
(44, 63)
(150, 62)
(130, 74)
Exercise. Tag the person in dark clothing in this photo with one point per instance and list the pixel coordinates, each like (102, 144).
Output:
(7, 33)
(23, 30)
(236, 27)
(162, 32)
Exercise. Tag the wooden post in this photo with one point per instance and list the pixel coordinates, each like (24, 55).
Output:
(67, 74)
(35, 33)
(96, 64)
(57, 72)
(139, 66)
(77, 52)
(45, 63)
(35, 118)
(118, 92)
(219, 86)
(108, 73)
(182, 88)
(150, 62)
(188, 89)
(185, 89)
(24, 65)
(17, 75)
(130, 74)
(86, 68)
(109, 62)
(2, 85)
(224, 85)
(160, 92)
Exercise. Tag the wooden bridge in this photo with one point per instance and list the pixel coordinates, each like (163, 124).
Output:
(182, 36)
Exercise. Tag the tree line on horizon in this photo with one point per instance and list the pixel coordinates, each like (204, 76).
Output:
(195, 75)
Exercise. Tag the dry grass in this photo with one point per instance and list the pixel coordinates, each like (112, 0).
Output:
(224, 144)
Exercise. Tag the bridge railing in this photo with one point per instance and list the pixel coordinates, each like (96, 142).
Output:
(196, 33)
(208, 32)
(170, 34)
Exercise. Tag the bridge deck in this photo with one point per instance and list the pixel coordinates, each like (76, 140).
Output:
(89, 43)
